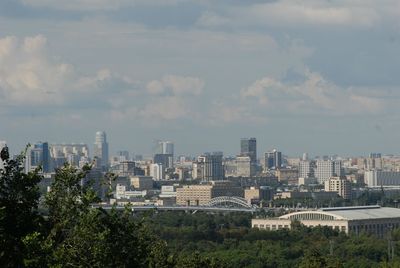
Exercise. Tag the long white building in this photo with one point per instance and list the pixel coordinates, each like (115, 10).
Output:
(369, 219)
(381, 178)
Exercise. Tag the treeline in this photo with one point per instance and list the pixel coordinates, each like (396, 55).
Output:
(68, 232)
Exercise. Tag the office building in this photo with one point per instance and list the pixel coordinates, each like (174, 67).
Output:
(166, 160)
(73, 153)
(248, 147)
(211, 163)
(101, 150)
(325, 169)
(272, 160)
(244, 167)
(306, 169)
(290, 175)
(339, 185)
(166, 147)
(364, 219)
(38, 155)
(157, 172)
(200, 195)
(140, 183)
(124, 168)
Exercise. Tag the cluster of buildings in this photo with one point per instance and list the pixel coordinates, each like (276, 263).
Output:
(290, 178)
(166, 180)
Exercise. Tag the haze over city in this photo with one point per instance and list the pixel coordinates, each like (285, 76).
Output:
(313, 76)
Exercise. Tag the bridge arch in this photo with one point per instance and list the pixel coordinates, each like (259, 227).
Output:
(230, 201)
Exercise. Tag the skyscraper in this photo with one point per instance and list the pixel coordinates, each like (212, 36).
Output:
(248, 147)
(38, 155)
(101, 149)
(273, 159)
(212, 168)
(166, 147)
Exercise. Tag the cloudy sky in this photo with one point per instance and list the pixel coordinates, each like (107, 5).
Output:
(315, 76)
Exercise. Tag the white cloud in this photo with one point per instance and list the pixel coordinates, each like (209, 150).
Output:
(211, 19)
(176, 85)
(27, 75)
(94, 5)
(314, 12)
(313, 95)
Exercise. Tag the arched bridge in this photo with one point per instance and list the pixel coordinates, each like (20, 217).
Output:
(229, 201)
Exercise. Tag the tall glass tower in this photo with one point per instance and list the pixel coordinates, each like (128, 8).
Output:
(248, 147)
(101, 149)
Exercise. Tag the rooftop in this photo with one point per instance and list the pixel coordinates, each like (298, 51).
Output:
(349, 213)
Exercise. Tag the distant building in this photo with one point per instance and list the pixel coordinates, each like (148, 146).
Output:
(72, 153)
(157, 172)
(199, 195)
(38, 155)
(364, 219)
(290, 175)
(306, 169)
(272, 160)
(248, 147)
(254, 195)
(307, 181)
(209, 167)
(325, 169)
(244, 167)
(140, 183)
(124, 168)
(101, 150)
(166, 160)
(166, 147)
(381, 178)
(339, 185)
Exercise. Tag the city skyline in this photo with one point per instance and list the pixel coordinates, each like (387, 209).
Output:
(317, 77)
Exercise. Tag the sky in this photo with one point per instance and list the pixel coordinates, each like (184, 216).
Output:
(316, 76)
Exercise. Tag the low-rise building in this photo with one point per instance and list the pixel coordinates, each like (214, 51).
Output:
(199, 195)
(364, 219)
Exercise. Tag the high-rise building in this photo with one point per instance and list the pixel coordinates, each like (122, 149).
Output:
(272, 160)
(101, 149)
(211, 163)
(166, 147)
(166, 160)
(325, 169)
(306, 169)
(244, 167)
(248, 147)
(73, 153)
(38, 155)
(157, 172)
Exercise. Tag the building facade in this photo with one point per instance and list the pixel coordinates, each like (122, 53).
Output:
(101, 149)
(272, 160)
(340, 186)
(375, 178)
(248, 147)
(200, 195)
(365, 219)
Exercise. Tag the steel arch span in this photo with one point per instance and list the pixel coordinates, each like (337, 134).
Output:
(230, 201)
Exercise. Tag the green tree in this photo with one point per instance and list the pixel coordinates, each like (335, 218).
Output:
(19, 198)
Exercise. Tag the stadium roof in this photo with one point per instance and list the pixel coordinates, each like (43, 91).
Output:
(347, 213)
